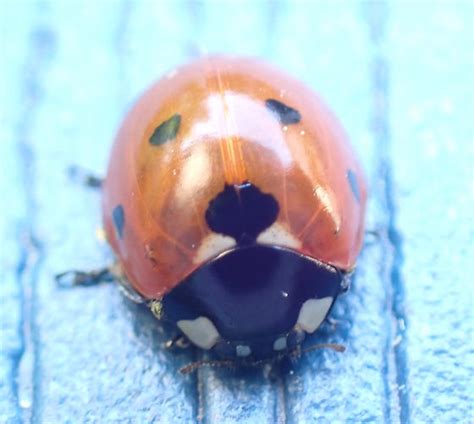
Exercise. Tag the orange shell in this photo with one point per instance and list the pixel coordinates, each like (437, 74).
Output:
(227, 135)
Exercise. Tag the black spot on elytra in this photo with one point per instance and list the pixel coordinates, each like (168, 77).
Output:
(352, 178)
(118, 216)
(242, 212)
(286, 114)
(166, 131)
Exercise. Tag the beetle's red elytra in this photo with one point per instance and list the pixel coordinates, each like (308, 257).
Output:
(234, 199)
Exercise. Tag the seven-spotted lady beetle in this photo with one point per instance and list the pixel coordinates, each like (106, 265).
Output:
(235, 206)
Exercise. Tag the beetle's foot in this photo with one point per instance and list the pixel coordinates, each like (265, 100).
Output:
(178, 342)
(83, 177)
(373, 236)
(332, 322)
(73, 278)
(275, 369)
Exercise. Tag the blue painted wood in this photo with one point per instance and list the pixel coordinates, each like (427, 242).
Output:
(98, 358)
(326, 386)
(15, 224)
(404, 95)
(432, 151)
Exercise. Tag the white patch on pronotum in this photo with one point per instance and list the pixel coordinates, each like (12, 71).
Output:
(280, 344)
(313, 312)
(201, 331)
(278, 235)
(211, 246)
(242, 350)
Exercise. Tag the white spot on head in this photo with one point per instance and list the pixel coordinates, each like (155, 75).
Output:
(313, 312)
(279, 236)
(201, 331)
(280, 344)
(211, 246)
(242, 350)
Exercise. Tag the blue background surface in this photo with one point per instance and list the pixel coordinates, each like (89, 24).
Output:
(399, 75)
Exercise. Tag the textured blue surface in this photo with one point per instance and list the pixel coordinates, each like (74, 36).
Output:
(399, 75)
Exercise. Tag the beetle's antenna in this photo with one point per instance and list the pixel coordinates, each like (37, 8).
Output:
(74, 278)
(333, 346)
(292, 354)
(83, 177)
(193, 366)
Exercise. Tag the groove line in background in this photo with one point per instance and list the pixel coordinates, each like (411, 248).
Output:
(27, 371)
(396, 347)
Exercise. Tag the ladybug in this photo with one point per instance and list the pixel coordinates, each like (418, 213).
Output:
(235, 206)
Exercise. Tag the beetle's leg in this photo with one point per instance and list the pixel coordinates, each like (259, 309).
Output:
(84, 278)
(274, 369)
(108, 274)
(124, 285)
(83, 177)
(373, 236)
(346, 280)
(332, 322)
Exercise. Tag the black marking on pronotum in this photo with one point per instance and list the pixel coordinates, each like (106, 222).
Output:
(352, 178)
(166, 131)
(118, 216)
(241, 290)
(241, 211)
(286, 114)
